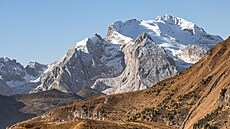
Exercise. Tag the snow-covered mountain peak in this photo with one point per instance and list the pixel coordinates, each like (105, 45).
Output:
(81, 46)
(184, 24)
(4, 59)
(84, 45)
(127, 28)
(33, 64)
(164, 26)
(35, 69)
(7, 60)
(120, 24)
(172, 33)
(175, 20)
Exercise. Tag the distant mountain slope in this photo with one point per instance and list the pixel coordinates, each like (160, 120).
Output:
(196, 98)
(170, 45)
(21, 107)
(9, 110)
(15, 79)
(5, 89)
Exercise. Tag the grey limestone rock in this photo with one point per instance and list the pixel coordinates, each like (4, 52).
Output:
(83, 64)
(146, 63)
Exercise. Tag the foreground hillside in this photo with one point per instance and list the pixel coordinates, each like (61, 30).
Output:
(196, 98)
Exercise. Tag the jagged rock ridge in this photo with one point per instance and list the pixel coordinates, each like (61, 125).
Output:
(87, 61)
(15, 79)
(133, 56)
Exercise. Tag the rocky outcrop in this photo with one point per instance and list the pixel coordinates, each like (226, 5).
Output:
(192, 53)
(224, 97)
(146, 64)
(87, 61)
(88, 113)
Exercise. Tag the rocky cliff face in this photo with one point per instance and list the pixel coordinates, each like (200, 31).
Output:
(192, 53)
(11, 70)
(14, 78)
(134, 55)
(110, 68)
(83, 64)
(146, 64)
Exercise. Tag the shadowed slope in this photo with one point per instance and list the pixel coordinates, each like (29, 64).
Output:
(21, 107)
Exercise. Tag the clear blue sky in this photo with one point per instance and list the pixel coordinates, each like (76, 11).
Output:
(43, 30)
